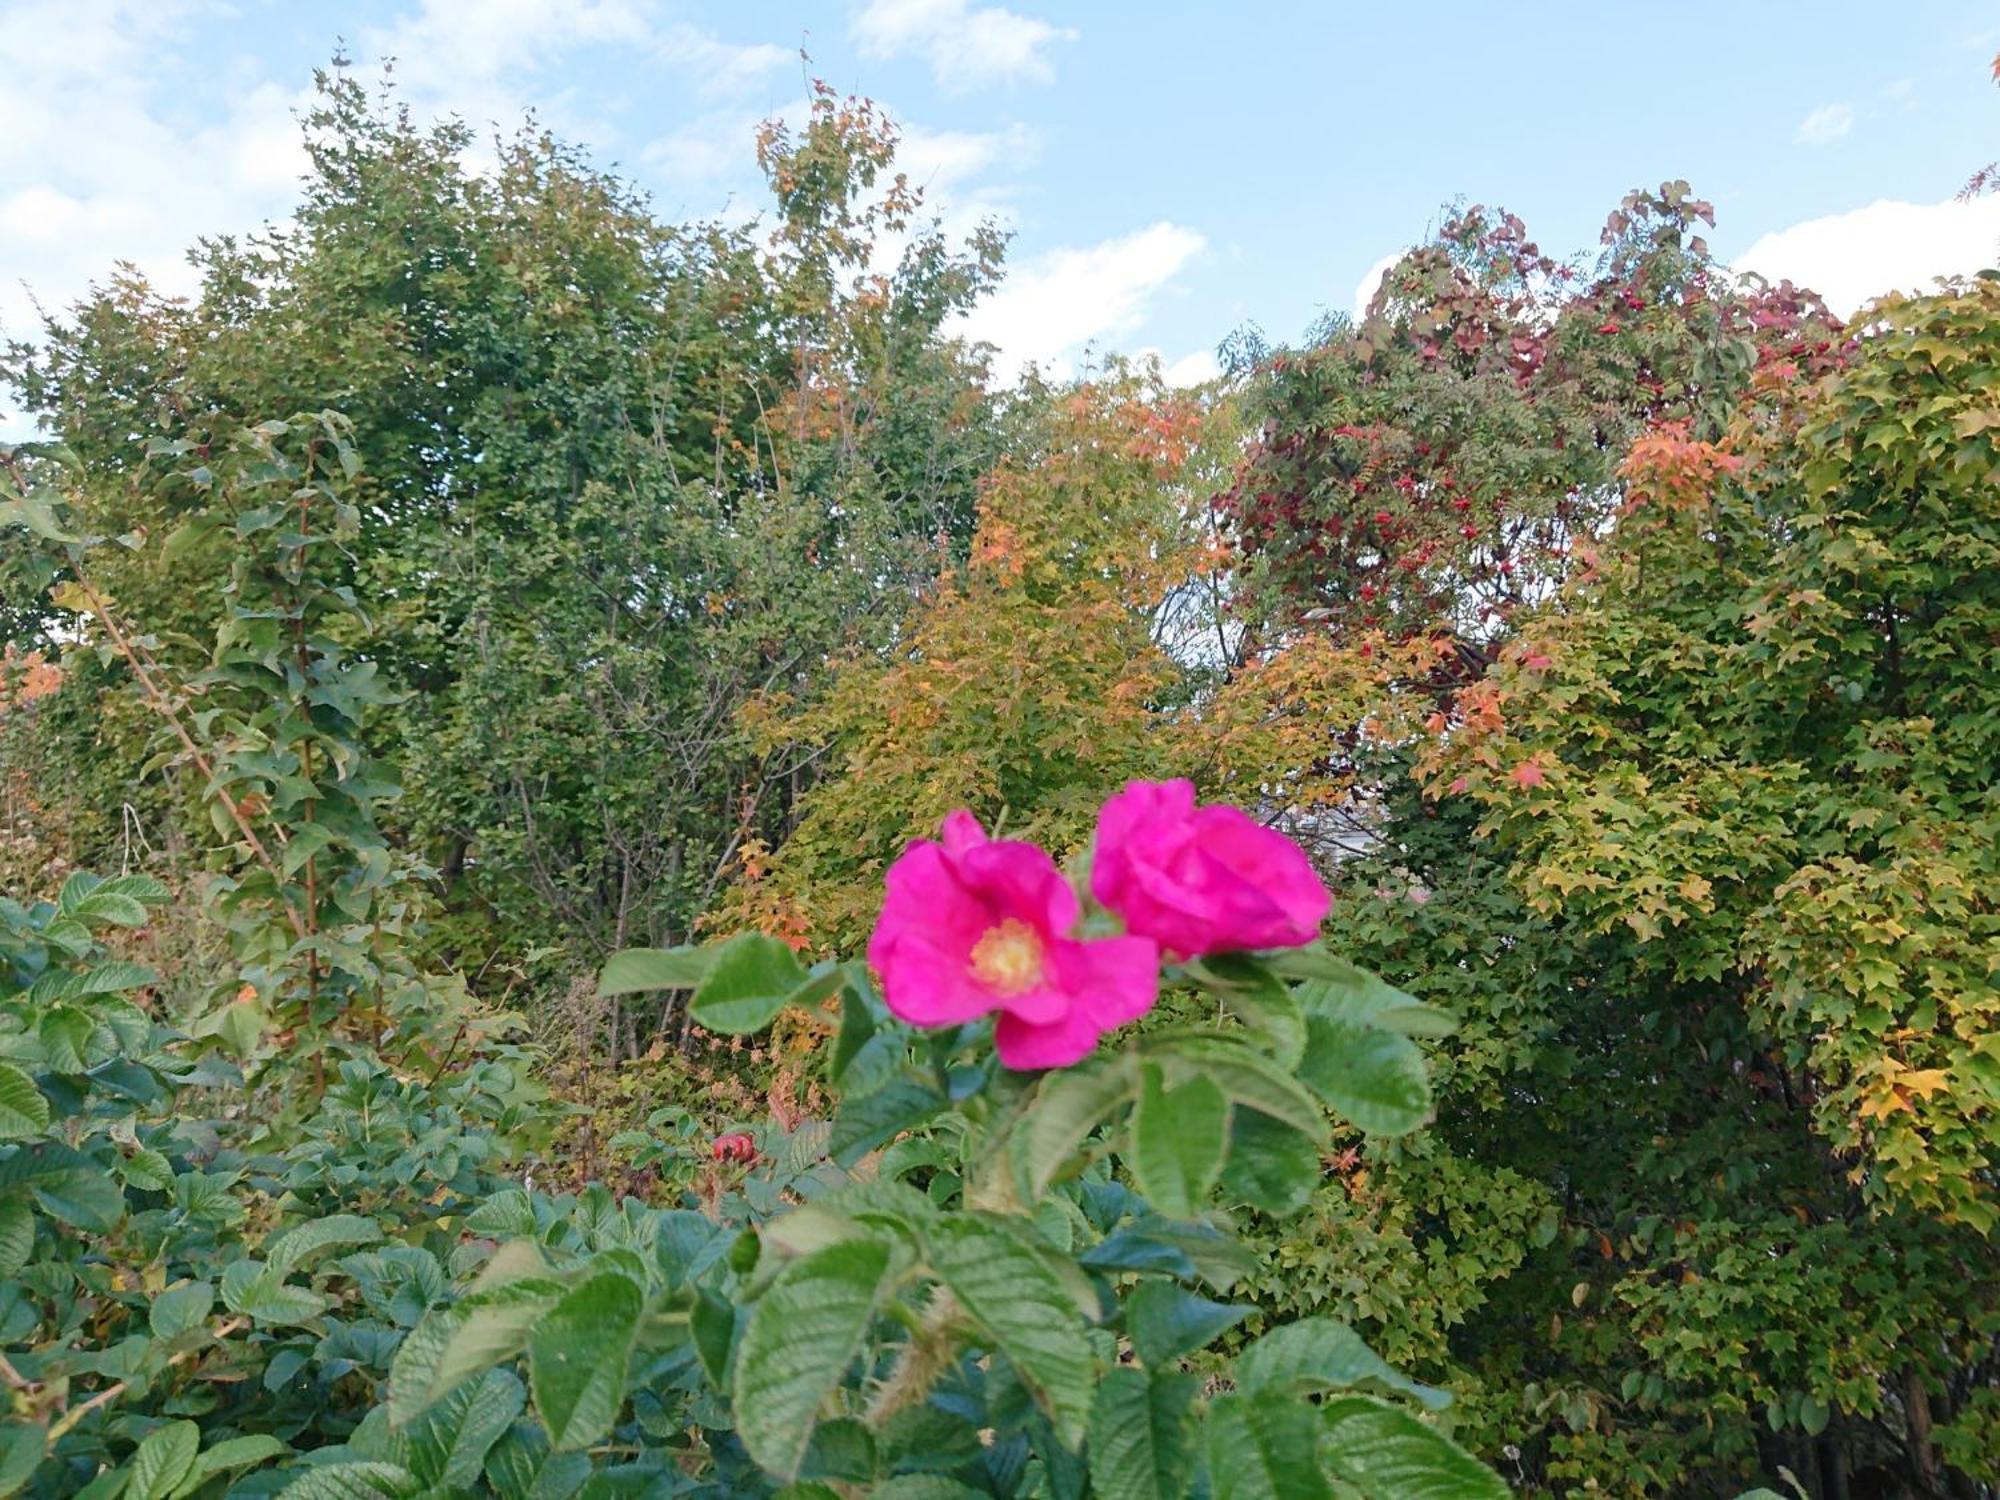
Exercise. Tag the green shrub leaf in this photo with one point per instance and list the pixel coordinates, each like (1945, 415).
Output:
(1384, 1450)
(1026, 1311)
(1140, 1444)
(23, 1110)
(802, 1335)
(1179, 1138)
(578, 1358)
(750, 981)
(1266, 1448)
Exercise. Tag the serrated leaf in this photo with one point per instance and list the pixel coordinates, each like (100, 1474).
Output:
(1256, 996)
(452, 1344)
(1374, 1078)
(802, 1335)
(450, 1442)
(1384, 1450)
(1341, 991)
(284, 1252)
(579, 1356)
(179, 1308)
(1266, 1449)
(1024, 1310)
(17, 1235)
(636, 970)
(1244, 1075)
(162, 1461)
(1179, 1138)
(1069, 1104)
(1272, 1167)
(110, 907)
(1313, 1355)
(874, 1119)
(1165, 1321)
(232, 1453)
(23, 1110)
(747, 985)
(1141, 1447)
(369, 1479)
(256, 1292)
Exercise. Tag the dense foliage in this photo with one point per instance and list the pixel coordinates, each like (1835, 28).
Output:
(502, 642)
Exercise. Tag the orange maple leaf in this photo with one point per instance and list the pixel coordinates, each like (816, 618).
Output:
(1528, 774)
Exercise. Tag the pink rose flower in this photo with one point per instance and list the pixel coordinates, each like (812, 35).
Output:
(1202, 879)
(973, 924)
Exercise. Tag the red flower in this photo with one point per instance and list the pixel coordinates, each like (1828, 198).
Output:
(1608, 326)
(735, 1147)
(1383, 518)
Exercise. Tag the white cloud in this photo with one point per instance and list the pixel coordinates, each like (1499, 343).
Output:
(451, 53)
(723, 68)
(941, 160)
(1197, 368)
(100, 162)
(965, 48)
(1888, 246)
(1049, 308)
(1825, 125)
(1371, 282)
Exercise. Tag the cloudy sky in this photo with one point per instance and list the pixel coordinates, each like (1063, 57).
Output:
(1171, 170)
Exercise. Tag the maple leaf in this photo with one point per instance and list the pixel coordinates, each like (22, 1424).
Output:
(1528, 774)
(1925, 1082)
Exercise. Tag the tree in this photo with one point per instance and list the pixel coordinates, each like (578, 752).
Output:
(615, 478)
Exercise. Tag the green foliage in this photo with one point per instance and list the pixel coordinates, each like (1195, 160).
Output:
(618, 478)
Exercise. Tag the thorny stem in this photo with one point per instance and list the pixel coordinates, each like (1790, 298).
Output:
(922, 1360)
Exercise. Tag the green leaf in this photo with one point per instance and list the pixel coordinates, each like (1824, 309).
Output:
(450, 1443)
(284, 1252)
(749, 982)
(578, 1359)
(802, 1335)
(1023, 1308)
(162, 1461)
(23, 1110)
(1341, 991)
(857, 1025)
(1272, 1167)
(231, 1453)
(874, 1119)
(924, 1487)
(34, 509)
(22, 1446)
(1141, 1447)
(1245, 1076)
(1814, 1415)
(1165, 1321)
(179, 1308)
(1384, 1450)
(249, 1288)
(639, 969)
(17, 1235)
(1257, 997)
(1375, 1078)
(1313, 1355)
(1178, 1141)
(452, 1344)
(1069, 1104)
(1266, 1448)
(110, 907)
(366, 1480)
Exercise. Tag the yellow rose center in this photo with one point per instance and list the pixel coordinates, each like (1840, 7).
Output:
(1007, 959)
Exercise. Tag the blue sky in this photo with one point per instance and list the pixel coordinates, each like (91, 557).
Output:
(1170, 170)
